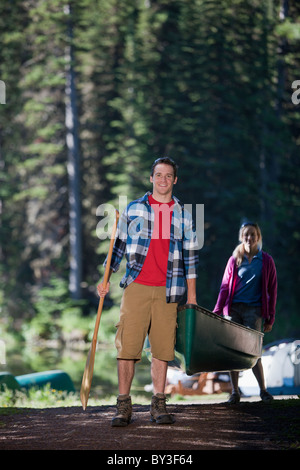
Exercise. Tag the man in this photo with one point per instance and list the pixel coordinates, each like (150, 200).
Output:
(156, 235)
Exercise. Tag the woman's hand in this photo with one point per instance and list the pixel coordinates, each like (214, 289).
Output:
(267, 328)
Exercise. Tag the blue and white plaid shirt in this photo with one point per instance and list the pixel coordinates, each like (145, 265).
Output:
(133, 238)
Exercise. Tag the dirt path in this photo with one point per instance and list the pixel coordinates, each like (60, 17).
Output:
(248, 426)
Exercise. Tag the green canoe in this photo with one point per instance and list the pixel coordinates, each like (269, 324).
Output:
(206, 342)
(57, 379)
(9, 381)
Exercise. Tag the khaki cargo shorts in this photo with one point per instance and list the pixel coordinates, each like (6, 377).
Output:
(143, 311)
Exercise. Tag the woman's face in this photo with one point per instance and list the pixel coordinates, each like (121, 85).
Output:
(250, 238)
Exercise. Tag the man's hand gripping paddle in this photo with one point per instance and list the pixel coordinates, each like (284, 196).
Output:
(89, 366)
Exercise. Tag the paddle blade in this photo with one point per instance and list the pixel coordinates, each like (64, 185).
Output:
(87, 377)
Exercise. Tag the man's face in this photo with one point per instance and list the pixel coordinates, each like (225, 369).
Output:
(163, 179)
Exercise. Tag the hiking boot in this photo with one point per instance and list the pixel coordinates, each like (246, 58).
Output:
(158, 410)
(266, 396)
(124, 410)
(234, 399)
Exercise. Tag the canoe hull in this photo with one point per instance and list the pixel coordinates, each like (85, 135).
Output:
(206, 342)
(57, 379)
(7, 380)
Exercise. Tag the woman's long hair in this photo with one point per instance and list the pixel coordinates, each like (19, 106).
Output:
(238, 252)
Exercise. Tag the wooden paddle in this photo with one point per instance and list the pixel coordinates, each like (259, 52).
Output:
(89, 366)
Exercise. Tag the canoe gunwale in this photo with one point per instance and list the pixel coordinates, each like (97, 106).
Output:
(218, 317)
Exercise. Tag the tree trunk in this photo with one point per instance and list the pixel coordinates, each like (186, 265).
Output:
(73, 169)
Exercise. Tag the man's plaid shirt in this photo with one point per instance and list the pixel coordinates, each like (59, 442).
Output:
(133, 239)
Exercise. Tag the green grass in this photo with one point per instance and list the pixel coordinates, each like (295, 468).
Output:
(45, 397)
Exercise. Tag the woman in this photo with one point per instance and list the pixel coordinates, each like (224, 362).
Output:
(248, 294)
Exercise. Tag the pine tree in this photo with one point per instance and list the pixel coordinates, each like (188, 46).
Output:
(15, 273)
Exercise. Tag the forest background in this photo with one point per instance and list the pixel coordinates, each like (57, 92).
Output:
(95, 91)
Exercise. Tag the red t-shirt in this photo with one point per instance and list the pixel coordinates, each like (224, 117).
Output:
(154, 270)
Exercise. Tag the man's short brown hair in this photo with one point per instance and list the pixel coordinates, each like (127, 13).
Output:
(166, 161)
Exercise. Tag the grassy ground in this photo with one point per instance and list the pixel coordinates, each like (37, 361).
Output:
(47, 397)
